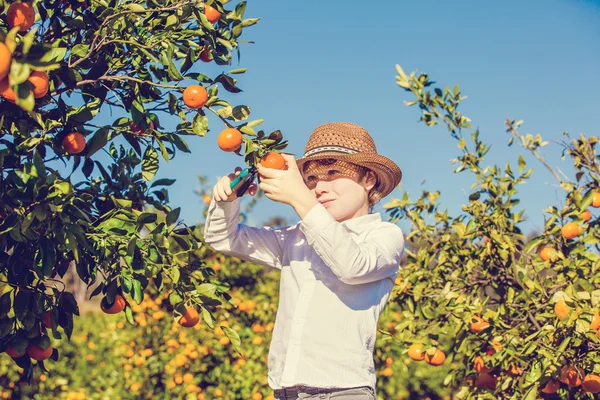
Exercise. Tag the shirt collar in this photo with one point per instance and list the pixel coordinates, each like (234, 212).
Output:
(361, 223)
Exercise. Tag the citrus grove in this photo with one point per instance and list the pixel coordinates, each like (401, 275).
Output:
(516, 315)
(479, 310)
(83, 88)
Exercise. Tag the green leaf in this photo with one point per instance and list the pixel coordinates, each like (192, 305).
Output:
(163, 182)
(146, 218)
(200, 124)
(48, 250)
(233, 336)
(207, 316)
(97, 142)
(85, 113)
(149, 164)
(173, 215)
(22, 303)
(80, 50)
(138, 294)
(5, 304)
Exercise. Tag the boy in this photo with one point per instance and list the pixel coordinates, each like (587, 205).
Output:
(338, 264)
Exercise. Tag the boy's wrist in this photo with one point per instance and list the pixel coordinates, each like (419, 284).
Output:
(304, 203)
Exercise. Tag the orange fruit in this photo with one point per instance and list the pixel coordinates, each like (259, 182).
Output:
(387, 372)
(547, 253)
(47, 319)
(257, 396)
(479, 325)
(230, 139)
(211, 14)
(571, 375)
(206, 55)
(37, 353)
(570, 230)
(40, 82)
(20, 14)
(515, 370)
(551, 387)
(595, 322)
(586, 215)
(479, 365)
(5, 60)
(117, 306)
(596, 200)
(14, 353)
(207, 199)
(591, 384)
(485, 380)
(496, 346)
(74, 142)
(438, 358)
(273, 160)
(7, 92)
(190, 318)
(561, 309)
(195, 96)
(416, 352)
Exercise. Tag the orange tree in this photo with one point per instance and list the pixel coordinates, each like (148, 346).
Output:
(516, 320)
(77, 185)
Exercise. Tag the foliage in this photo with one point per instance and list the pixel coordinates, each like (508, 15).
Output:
(478, 267)
(101, 208)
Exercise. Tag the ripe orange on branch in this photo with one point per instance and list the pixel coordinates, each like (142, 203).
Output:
(190, 318)
(273, 160)
(229, 139)
(561, 309)
(6, 91)
(595, 322)
(5, 60)
(40, 82)
(74, 142)
(436, 359)
(211, 14)
(596, 199)
(547, 253)
(14, 353)
(195, 96)
(571, 375)
(206, 55)
(479, 325)
(20, 14)
(591, 383)
(570, 230)
(37, 353)
(586, 215)
(416, 352)
(117, 306)
(551, 387)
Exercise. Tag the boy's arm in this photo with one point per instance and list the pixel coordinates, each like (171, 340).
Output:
(223, 233)
(377, 257)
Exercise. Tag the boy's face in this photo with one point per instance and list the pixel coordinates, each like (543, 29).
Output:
(339, 187)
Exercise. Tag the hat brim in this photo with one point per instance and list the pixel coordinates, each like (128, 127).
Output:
(388, 172)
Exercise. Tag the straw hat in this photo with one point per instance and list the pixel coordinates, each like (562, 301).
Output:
(349, 142)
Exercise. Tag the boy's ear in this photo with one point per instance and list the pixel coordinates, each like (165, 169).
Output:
(371, 180)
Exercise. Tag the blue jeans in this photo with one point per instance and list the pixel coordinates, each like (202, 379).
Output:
(304, 392)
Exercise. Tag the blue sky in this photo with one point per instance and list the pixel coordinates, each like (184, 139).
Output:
(319, 61)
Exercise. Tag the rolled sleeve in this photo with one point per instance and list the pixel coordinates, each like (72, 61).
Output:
(375, 257)
(223, 233)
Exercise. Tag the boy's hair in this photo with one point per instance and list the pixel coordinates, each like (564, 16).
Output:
(374, 194)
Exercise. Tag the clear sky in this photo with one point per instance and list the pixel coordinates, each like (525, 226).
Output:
(319, 61)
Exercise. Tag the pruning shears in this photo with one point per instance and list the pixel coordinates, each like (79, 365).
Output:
(249, 173)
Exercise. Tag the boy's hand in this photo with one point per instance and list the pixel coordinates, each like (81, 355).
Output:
(223, 192)
(286, 186)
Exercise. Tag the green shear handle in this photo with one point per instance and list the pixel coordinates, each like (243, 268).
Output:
(249, 173)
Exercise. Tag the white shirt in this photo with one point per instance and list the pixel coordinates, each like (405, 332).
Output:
(335, 281)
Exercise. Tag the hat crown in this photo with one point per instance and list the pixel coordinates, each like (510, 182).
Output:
(345, 135)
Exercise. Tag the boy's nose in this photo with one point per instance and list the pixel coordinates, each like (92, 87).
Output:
(322, 186)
